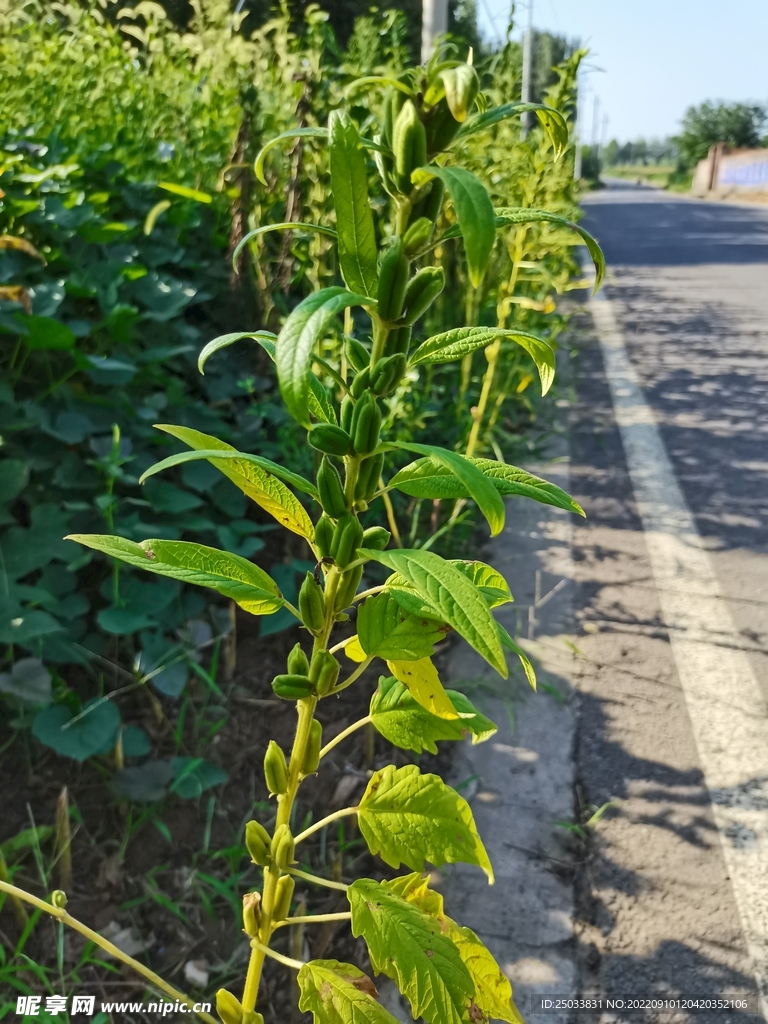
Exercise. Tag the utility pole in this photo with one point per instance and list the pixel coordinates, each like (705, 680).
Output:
(527, 69)
(434, 23)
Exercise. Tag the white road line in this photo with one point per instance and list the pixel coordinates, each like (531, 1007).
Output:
(725, 704)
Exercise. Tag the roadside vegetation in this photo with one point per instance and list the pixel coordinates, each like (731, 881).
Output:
(136, 226)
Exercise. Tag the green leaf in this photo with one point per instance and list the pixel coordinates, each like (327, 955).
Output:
(286, 225)
(551, 120)
(427, 478)
(193, 775)
(509, 643)
(234, 577)
(29, 681)
(521, 215)
(407, 817)
(387, 631)
(14, 477)
(488, 581)
(253, 475)
(93, 731)
(404, 722)
(474, 210)
(26, 626)
(455, 344)
(337, 993)
(225, 340)
(320, 405)
(187, 193)
(296, 341)
(481, 490)
(493, 992)
(354, 219)
(294, 133)
(44, 332)
(451, 595)
(406, 944)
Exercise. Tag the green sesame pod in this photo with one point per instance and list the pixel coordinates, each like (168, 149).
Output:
(380, 375)
(283, 845)
(312, 601)
(345, 594)
(292, 687)
(331, 489)
(298, 665)
(368, 479)
(257, 842)
(393, 102)
(409, 144)
(229, 1007)
(366, 424)
(422, 291)
(387, 373)
(393, 279)
(360, 383)
(324, 535)
(275, 770)
(314, 746)
(398, 341)
(346, 539)
(417, 236)
(345, 413)
(433, 203)
(441, 128)
(324, 671)
(358, 355)
(283, 896)
(376, 538)
(328, 438)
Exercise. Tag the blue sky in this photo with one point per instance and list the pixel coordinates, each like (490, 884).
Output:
(658, 56)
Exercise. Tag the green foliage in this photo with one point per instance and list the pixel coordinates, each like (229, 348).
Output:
(437, 135)
(737, 124)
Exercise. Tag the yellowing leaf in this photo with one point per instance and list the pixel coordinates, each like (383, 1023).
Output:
(235, 577)
(20, 245)
(399, 718)
(407, 945)
(353, 650)
(182, 190)
(406, 817)
(151, 218)
(252, 479)
(493, 991)
(422, 680)
(336, 993)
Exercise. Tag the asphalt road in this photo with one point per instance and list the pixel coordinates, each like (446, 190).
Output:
(688, 287)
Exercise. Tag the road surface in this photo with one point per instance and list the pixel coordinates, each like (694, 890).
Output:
(671, 573)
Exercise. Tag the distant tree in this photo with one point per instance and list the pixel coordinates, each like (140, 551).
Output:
(738, 124)
(611, 153)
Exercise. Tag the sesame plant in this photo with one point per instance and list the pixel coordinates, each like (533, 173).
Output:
(406, 817)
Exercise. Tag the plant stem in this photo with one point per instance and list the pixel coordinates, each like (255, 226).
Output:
(343, 915)
(72, 922)
(285, 960)
(391, 517)
(351, 678)
(343, 813)
(317, 880)
(343, 735)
